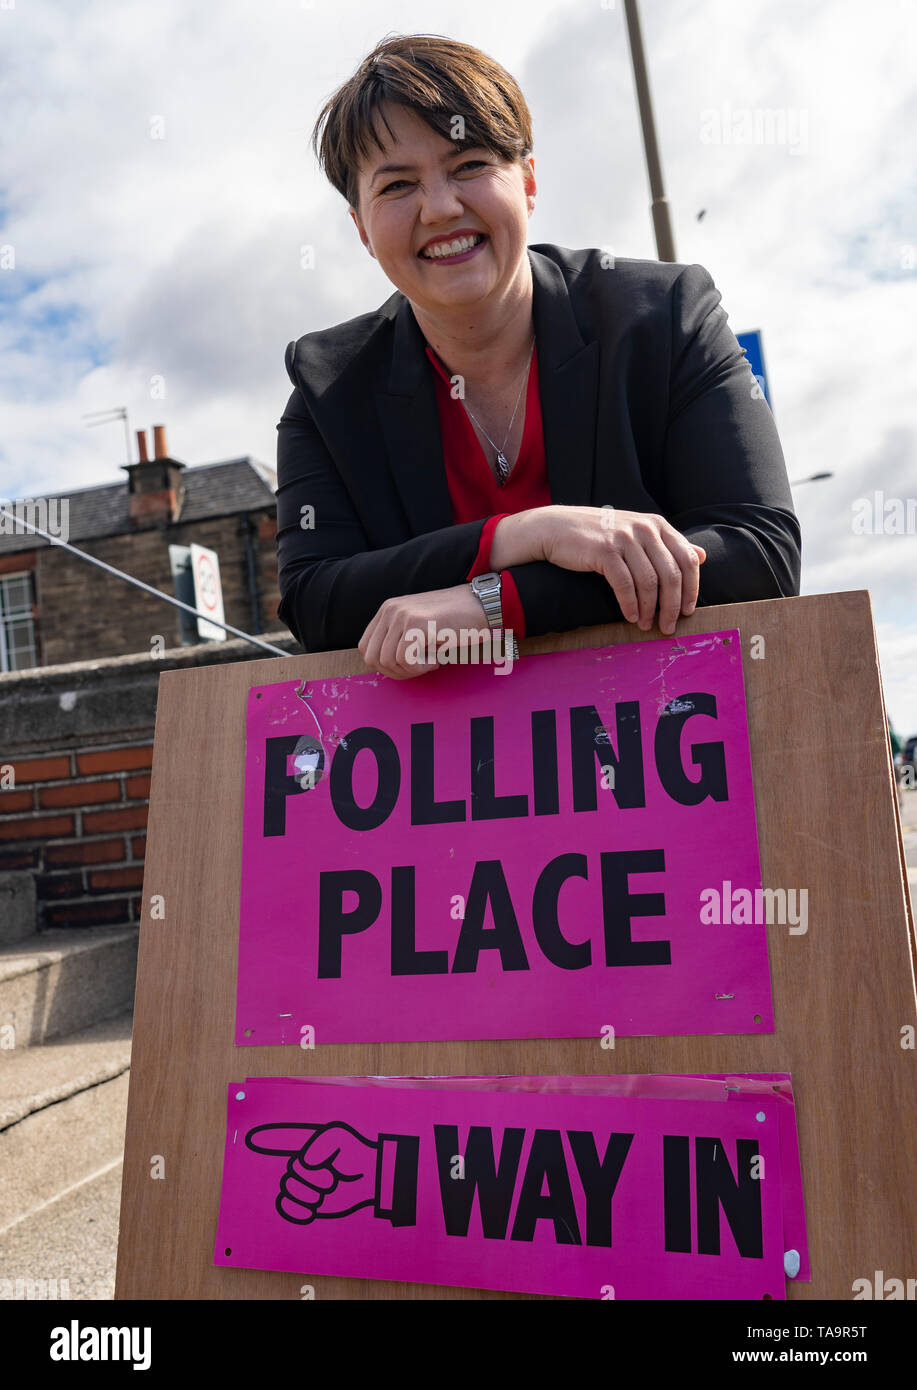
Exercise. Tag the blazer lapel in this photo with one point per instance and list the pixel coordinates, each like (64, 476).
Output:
(410, 426)
(568, 387)
(568, 383)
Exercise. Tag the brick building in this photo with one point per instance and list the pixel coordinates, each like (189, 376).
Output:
(57, 608)
(80, 664)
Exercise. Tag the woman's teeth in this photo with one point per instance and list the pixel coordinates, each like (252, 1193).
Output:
(451, 248)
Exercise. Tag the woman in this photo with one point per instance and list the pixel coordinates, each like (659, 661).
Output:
(581, 437)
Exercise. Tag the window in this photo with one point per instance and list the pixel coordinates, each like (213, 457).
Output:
(17, 630)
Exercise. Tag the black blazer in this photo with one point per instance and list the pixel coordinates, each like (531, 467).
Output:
(648, 403)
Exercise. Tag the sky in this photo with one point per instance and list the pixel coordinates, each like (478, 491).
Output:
(157, 187)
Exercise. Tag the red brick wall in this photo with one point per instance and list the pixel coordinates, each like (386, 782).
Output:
(75, 820)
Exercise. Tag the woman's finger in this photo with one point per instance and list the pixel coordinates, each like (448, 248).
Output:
(689, 558)
(368, 644)
(670, 579)
(689, 562)
(381, 627)
(621, 580)
(646, 580)
(388, 650)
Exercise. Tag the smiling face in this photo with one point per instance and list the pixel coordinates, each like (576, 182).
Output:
(434, 195)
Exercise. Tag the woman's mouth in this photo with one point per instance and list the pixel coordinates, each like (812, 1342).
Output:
(460, 248)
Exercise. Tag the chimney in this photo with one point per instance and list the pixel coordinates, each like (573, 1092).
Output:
(155, 488)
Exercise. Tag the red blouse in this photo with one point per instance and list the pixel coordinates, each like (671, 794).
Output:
(473, 487)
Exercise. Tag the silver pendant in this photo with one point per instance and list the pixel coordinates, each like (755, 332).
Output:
(502, 467)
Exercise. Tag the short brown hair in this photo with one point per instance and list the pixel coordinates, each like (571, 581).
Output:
(437, 78)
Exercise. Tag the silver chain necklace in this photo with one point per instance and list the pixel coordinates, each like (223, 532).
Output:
(503, 466)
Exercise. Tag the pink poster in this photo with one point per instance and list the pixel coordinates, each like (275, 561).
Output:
(556, 854)
(653, 1187)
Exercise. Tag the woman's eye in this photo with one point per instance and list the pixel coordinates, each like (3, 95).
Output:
(469, 164)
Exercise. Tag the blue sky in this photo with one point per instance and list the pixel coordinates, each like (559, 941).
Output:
(163, 274)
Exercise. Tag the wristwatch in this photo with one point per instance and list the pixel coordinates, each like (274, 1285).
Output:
(488, 588)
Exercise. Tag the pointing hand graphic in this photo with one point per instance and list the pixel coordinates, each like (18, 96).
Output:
(333, 1171)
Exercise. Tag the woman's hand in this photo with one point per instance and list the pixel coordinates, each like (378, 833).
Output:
(398, 635)
(643, 557)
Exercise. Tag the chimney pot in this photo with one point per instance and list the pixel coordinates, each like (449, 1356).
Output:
(142, 446)
(159, 442)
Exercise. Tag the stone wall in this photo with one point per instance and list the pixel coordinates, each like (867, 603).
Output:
(83, 613)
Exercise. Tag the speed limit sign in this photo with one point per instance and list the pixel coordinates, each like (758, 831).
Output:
(208, 596)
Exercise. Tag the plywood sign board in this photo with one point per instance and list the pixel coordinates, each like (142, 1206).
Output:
(841, 955)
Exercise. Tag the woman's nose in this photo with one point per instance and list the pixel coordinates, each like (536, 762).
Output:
(439, 203)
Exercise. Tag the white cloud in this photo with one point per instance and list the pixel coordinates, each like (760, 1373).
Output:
(179, 256)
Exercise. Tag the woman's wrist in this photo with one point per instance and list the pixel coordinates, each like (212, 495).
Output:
(518, 539)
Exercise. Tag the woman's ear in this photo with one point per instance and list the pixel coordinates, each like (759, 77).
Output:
(362, 230)
(528, 183)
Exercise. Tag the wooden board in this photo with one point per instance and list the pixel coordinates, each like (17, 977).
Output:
(828, 822)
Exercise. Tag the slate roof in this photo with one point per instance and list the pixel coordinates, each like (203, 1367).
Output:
(211, 489)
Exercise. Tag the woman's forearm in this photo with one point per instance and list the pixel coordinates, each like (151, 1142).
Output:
(518, 539)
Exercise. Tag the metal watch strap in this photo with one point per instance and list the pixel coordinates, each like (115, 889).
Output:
(488, 588)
